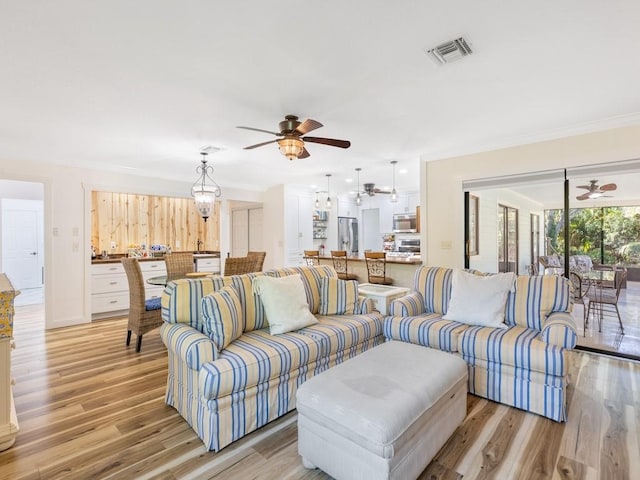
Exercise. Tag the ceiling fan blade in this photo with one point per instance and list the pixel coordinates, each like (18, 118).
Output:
(261, 130)
(609, 187)
(250, 147)
(386, 192)
(304, 153)
(307, 126)
(588, 187)
(584, 196)
(328, 141)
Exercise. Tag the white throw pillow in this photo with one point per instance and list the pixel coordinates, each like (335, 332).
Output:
(479, 300)
(285, 303)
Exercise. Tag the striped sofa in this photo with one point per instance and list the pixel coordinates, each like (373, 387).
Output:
(524, 365)
(228, 394)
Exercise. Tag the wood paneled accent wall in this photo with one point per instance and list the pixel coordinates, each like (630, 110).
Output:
(127, 218)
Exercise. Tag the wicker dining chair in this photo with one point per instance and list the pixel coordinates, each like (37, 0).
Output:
(340, 265)
(377, 268)
(144, 315)
(178, 265)
(239, 265)
(312, 257)
(259, 256)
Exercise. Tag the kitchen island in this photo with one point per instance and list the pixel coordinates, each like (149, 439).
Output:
(400, 268)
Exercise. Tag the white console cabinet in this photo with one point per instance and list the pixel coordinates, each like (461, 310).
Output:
(110, 288)
(8, 417)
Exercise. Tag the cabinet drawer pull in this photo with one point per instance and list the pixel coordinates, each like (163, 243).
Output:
(113, 268)
(113, 283)
(153, 266)
(113, 301)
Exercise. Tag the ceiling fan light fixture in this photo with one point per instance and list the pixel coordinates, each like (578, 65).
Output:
(291, 147)
(205, 190)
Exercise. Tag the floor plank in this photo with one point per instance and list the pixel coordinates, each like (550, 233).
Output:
(89, 407)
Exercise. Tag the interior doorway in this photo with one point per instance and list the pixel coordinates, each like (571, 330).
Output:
(22, 238)
(246, 230)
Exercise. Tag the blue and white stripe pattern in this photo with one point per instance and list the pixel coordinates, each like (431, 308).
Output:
(525, 365)
(225, 395)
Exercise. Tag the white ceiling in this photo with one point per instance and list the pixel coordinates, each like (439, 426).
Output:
(139, 87)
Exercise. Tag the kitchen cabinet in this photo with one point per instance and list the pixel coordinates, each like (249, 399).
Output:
(208, 264)
(110, 287)
(8, 417)
(298, 227)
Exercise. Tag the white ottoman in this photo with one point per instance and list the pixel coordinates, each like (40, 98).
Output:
(383, 414)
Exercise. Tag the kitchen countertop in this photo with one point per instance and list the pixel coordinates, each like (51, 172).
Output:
(401, 260)
(118, 256)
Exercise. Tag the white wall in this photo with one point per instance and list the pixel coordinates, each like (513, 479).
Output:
(67, 203)
(487, 259)
(442, 180)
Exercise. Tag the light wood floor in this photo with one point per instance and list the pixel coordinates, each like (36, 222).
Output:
(90, 409)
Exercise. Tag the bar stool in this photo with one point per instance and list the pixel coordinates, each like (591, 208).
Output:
(312, 257)
(339, 258)
(377, 267)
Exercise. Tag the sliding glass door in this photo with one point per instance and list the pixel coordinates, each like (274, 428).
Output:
(507, 239)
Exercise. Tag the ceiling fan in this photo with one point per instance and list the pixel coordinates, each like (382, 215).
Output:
(369, 189)
(595, 190)
(292, 142)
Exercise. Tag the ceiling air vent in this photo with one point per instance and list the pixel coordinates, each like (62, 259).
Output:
(450, 51)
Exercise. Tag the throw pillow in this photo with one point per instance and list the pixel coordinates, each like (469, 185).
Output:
(223, 316)
(338, 297)
(479, 300)
(285, 303)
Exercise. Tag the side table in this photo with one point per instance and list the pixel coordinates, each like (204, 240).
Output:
(382, 295)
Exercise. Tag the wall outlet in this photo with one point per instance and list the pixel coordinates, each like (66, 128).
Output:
(178, 243)
(113, 245)
(446, 244)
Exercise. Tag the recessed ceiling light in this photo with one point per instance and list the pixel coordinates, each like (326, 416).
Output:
(348, 180)
(403, 171)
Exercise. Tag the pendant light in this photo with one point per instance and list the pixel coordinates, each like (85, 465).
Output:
(317, 203)
(394, 194)
(205, 190)
(358, 197)
(328, 204)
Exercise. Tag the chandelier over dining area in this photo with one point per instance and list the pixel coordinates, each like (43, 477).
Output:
(205, 190)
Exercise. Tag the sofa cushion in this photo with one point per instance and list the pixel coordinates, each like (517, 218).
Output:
(434, 284)
(338, 297)
(428, 329)
(223, 316)
(254, 315)
(479, 299)
(254, 358)
(517, 346)
(311, 277)
(285, 303)
(535, 298)
(343, 332)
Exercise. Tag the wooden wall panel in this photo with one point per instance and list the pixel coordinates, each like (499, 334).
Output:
(132, 219)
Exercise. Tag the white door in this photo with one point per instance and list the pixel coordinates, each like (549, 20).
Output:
(22, 256)
(255, 230)
(239, 233)
(371, 236)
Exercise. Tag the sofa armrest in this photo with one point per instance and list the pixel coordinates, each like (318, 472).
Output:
(560, 329)
(193, 347)
(410, 305)
(365, 305)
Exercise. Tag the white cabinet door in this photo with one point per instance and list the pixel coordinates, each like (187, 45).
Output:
(255, 230)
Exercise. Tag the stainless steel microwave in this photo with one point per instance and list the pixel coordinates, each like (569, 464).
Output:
(405, 223)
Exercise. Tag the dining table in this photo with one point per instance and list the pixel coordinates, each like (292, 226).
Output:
(162, 279)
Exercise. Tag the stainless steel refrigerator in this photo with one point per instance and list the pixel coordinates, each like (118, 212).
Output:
(348, 235)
